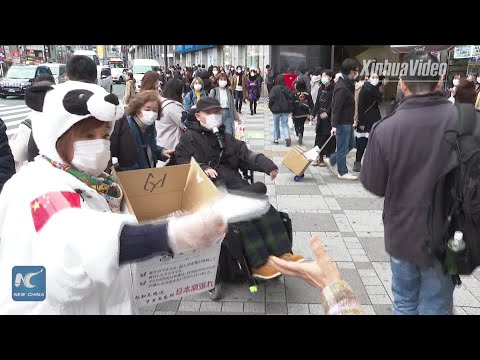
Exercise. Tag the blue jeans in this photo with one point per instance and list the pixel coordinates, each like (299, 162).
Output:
(228, 121)
(345, 141)
(421, 291)
(280, 120)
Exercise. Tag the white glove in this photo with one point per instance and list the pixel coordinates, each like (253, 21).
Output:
(198, 230)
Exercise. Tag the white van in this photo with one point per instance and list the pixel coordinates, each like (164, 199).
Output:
(90, 53)
(140, 67)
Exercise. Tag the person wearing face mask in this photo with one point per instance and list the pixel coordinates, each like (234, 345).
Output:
(315, 84)
(142, 112)
(260, 81)
(195, 94)
(239, 86)
(214, 73)
(72, 231)
(369, 100)
(224, 95)
(455, 82)
(323, 111)
(253, 86)
(221, 156)
(170, 126)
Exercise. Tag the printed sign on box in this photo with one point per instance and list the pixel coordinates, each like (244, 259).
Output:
(165, 278)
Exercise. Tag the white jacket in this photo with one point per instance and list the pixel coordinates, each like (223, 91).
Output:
(79, 247)
(170, 127)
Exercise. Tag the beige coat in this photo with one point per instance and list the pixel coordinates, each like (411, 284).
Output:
(233, 85)
(477, 103)
(129, 91)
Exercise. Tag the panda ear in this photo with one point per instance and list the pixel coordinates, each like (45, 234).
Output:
(35, 96)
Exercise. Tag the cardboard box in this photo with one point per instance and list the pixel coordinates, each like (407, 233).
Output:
(296, 161)
(150, 194)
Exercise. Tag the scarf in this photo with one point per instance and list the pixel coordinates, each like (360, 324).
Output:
(105, 186)
(349, 82)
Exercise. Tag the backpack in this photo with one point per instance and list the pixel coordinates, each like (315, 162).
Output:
(462, 184)
(301, 107)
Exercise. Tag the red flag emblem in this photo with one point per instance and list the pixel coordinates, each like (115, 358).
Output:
(45, 206)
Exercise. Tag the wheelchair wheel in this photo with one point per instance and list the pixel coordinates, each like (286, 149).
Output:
(216, 292)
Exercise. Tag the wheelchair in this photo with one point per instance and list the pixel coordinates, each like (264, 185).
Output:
(233, 265)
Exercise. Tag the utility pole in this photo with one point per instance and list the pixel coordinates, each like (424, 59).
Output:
(165, 53)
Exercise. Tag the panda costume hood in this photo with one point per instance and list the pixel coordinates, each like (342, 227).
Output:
(59, 107)
(57, 223)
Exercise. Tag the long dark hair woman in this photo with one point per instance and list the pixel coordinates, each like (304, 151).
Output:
(323, 112)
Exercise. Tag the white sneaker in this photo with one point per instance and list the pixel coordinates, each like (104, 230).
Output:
(330, 167)
(347, 176)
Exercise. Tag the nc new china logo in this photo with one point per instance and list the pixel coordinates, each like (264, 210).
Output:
(28, 283)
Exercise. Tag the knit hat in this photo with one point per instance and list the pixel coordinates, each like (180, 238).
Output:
(57, 108)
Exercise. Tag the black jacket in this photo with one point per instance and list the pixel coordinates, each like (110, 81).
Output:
(368, 110)
(280, 99)
(7, 164)
(123, 145)
(343, 103)
(204, 146)
(402, 166)
(302, 108)
(323, 104)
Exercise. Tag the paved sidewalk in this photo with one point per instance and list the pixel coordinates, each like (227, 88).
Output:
(348, 219)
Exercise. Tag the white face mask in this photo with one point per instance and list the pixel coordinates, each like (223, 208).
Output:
(325, 80)
(456, 82)
(148, 117)
(478, 80)
(239, 71)
(91, 156)
(197, 87)
(374, 82)
(215, 72)
(252, 74)
(213, 120)
(222, 83)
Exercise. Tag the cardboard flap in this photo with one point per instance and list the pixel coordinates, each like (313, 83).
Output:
(198, 188)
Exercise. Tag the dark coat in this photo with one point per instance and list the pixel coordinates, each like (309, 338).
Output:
(299, 110)
(123, 145)
(323, 104)
(279, 99)
(253, 89)
(343, 103)
(368, 110)
(7, 164)
(204, 147)
(400, 165)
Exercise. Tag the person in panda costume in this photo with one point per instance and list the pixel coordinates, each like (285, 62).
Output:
(61, 211)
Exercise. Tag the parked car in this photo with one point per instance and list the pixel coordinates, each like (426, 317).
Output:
(59, 72)
(20, 77)
(105, 78)
(119, 75)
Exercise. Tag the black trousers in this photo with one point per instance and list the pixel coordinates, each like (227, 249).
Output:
(238, 100)
(253, 106)
(329, 149)
(299, 124)
(361, 146)
(269, 87)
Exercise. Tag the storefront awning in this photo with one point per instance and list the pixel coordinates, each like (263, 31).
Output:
(405, 49)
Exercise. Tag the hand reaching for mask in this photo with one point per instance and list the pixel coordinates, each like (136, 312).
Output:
(198, 230)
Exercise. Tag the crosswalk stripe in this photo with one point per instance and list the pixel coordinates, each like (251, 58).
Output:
(15, 123)
(5, 108)
(9, 112)
(15, 116)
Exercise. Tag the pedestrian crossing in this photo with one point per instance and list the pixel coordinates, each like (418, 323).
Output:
(13, 116)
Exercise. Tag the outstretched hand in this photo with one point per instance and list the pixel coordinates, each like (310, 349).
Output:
(319, 273)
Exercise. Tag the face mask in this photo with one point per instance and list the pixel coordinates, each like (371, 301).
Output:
(252, 74)
(239, 71)
(215, 72)
(148, 117)
(197, 87)
(222, 83)
(374, 82)
(91, 156)
(213, 121)
(478, 80)
(325, 80)
(456, 82)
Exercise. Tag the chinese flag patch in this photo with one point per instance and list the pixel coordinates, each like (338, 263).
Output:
(45, 206)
